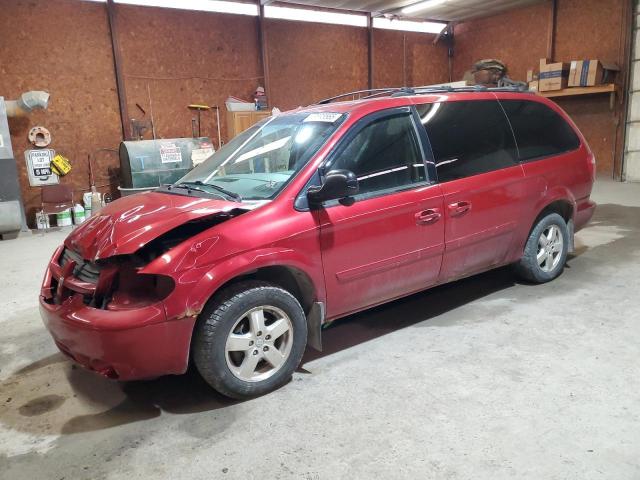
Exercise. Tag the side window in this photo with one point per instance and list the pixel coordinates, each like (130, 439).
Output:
(538, 129)
(384, 155)
(468, 137)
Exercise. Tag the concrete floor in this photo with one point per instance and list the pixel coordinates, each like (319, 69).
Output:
(485, 379)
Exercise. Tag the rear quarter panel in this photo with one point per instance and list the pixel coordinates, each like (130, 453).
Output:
(562, 177)
(559, 177)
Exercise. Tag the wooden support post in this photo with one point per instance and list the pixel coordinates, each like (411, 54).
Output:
(370, 50)
(264, 52)
(551, 31)
(117, 63)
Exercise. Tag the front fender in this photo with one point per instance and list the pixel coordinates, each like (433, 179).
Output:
(196, 286)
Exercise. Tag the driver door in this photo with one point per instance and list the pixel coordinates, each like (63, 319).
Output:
(389, 243)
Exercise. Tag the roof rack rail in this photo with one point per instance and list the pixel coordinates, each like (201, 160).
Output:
(471, 88)
(366, 93)
(407, 91)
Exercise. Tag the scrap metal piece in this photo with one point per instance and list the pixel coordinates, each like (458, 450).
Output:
(27, 102)
(39, 137)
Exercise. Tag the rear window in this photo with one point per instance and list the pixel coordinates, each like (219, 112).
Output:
(468, 137)
(539, 131)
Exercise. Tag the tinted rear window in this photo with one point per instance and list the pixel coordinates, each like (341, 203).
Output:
(468, 137)
(539, 131)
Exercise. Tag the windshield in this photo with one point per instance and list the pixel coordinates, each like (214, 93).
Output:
(259, 162)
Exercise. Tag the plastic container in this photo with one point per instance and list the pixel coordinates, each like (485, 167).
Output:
(78, 214)
(96, 200)
(63, 218)
(237, 105)
(42, 221)
(86, 200)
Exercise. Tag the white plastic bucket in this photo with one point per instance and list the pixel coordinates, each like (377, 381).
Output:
(63, 218)
(78, 214)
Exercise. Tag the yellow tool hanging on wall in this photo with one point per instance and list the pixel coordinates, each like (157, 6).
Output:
(60, 165)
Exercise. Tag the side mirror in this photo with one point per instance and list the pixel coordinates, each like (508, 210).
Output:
(337, 185)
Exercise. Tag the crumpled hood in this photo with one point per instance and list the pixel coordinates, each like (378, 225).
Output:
(124, 226)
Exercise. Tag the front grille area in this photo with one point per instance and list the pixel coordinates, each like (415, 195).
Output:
(84, 270)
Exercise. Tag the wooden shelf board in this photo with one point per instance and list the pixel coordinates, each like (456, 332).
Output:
(570, 91)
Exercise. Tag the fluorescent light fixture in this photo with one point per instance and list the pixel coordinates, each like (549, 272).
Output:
(320, 16)
(200, 5)
(408, 25)
(417, 7)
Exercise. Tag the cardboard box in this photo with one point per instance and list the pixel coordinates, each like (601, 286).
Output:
(553, 76)
(533, 86)
(585, 73)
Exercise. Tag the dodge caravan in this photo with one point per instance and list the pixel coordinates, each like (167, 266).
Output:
(312, 215)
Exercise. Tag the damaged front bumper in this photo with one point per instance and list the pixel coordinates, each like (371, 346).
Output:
(123, 343)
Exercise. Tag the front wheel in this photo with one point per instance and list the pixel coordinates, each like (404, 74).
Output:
(251, 340)
(545, 252)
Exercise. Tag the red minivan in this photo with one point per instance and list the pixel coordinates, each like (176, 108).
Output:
(312, 215)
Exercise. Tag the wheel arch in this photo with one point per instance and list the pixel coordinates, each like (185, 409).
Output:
(557, 199)
(290, 278)
(562, 207)
(299, 272)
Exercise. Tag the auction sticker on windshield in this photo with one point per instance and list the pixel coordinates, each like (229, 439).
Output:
(323, 117)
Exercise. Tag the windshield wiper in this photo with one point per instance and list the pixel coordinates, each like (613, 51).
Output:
(198, 183)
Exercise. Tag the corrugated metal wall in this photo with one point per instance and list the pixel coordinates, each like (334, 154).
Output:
(632, 142)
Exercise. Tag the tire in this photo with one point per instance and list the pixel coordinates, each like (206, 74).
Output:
(250, 339)
(542, 262)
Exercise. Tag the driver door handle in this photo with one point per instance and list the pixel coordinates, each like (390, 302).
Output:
(459, 208)
(427, 217)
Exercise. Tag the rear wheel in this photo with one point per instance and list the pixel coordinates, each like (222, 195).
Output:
(251, 340)
(546, 250)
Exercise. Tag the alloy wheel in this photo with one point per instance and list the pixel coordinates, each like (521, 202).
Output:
(259, 343)
(550, 245)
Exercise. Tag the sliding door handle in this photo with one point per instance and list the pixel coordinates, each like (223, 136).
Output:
(459, 208)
